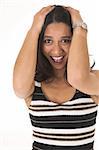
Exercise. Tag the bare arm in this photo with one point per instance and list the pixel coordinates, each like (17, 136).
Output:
(78, 60)
(24, 69)
(79, 73)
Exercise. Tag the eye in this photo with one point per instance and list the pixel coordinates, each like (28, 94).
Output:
(65, 41)
(47, 41)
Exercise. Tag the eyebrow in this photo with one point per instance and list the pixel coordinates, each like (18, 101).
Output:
(68, 37)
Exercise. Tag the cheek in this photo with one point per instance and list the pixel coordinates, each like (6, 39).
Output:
(46, 49)
(66, 49)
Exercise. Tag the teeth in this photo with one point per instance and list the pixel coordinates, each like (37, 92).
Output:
(57, 59)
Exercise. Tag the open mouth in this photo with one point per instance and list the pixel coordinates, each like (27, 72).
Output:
(57, 59)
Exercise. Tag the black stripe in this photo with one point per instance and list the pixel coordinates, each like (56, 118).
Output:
(64, 125)
(64, 139)
(78, 104)
(37, 89)
(88, 146)
(80, 94)
(38, 97)
(75, 134)
(63, 108)
(38, 94)
(64, 117)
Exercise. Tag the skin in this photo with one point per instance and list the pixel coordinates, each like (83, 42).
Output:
(27, 57)
(57, 39)
(85, 80)
(55, 45)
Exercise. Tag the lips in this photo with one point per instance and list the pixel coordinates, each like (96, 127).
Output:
(57, 59)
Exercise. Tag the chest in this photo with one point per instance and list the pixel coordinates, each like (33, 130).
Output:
(59, 93)
(80, 106)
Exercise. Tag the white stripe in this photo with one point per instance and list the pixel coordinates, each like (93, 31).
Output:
(42, 102)
(64, 136)
(61, 107)
(64, 131)
(63, 143)
(63, 112)
(80, 100)
(75, 101)
(38, 84)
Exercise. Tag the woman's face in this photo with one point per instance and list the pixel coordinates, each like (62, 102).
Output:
(56, 44)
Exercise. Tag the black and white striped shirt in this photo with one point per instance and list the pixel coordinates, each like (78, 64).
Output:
(66, 126)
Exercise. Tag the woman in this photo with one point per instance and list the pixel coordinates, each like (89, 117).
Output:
(52, 73)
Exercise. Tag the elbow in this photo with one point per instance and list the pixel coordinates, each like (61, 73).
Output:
(19, 90)
(22, 90)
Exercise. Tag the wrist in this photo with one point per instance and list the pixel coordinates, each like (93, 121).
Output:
(32, 34)
(35, 28)
(80, 24)
(80, 32)
(33, 31)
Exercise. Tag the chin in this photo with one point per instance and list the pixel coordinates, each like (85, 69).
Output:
(59, 67)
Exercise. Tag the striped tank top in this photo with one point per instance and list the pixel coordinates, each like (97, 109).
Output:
(66, 126)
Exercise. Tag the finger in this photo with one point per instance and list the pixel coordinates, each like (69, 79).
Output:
(72, 9)
(68, 8)
(50, 7)
(46, 10)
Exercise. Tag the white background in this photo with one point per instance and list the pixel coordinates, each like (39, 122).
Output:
(15, 19)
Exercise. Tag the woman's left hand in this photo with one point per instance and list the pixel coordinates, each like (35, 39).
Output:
(75, 15)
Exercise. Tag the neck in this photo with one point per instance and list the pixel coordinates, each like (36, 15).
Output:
(59, 78)
(59, 74)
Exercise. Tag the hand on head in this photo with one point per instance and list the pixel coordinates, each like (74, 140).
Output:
(40, 17)
(75, 15)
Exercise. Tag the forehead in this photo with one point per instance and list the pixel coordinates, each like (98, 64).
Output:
(57, 28)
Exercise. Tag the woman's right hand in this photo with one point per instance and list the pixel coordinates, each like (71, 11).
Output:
(39, 18)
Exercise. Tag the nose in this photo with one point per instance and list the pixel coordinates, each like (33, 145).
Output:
(57, 49)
